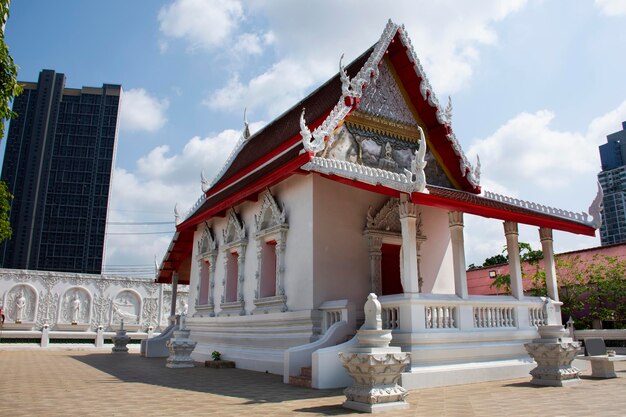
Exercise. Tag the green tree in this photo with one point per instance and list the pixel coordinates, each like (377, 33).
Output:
(9, 88)
(527, 254)
(495, 260)
(593, 289)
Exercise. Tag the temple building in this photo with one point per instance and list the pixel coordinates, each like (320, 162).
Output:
(361, 187)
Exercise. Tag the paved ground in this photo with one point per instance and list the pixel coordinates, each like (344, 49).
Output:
(38, 382)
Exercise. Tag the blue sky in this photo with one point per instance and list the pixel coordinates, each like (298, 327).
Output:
(535, 85)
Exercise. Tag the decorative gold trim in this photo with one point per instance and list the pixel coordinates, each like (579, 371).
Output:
(383, 126)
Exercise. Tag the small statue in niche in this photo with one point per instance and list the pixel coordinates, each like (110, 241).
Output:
(20, 306)
(388, 152)
(387, 162)
(75, 309)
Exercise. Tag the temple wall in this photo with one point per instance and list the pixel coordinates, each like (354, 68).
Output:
(83, 302)
(295, 193)
(436, 253)
(341, 265)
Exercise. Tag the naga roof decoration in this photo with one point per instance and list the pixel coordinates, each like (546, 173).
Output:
(371, 74)
(594, 210)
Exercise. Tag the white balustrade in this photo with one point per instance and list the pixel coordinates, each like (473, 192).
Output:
(537, 316)
(441, 317)
(447, 312)
(333, 312)
(391, 317)
(494, 316)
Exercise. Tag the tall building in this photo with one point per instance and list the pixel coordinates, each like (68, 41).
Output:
(613, 181)
(59, 154)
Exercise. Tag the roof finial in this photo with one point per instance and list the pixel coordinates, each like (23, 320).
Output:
(176, 214)
(156, 265)
(205, 183)
(477, 169)
(246, 126)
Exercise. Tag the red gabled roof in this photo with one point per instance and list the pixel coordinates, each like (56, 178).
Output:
(276, 151)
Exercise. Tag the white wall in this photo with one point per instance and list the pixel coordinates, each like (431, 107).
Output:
(436, 253)
(296, 195)
(341, 261)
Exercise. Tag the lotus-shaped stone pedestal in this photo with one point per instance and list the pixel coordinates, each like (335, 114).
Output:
(180, 347)
(554, 353)
(374, 366)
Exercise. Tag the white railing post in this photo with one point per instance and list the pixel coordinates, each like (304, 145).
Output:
(465, 317)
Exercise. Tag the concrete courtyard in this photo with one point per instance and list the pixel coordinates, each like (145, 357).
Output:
(38, 382)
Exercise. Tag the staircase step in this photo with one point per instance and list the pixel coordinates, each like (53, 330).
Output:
(300, 381)
(305, 371)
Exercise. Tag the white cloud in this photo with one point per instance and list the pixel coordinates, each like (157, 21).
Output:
(203, 23)
(141, 111)
(149, 192)
(309, 41)
(529, 159)
(275, 90)
(611, 7)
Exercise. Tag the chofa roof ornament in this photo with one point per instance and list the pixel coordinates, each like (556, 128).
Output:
(418, 164)
(595, 209)
(351, 91)
(177, 218)
(205, 183)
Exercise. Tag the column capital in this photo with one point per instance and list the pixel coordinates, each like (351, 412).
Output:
(407, 209)
(374, 243)
(545, 233)
(455, 218)
(510, 228)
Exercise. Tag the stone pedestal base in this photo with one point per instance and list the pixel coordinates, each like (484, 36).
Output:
(180, 347)
(376, 377)
(554, 356)
(120, 340)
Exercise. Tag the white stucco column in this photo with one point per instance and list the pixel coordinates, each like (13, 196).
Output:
(375, 244)
(515, 267)
(408, 216)
(174, 294)
(545, 235)
(455, 220)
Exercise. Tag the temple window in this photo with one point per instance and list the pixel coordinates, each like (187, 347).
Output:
(235, 244)
(207, 255)
(271, 235)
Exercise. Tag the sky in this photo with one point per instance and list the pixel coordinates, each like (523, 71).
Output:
(536, 86)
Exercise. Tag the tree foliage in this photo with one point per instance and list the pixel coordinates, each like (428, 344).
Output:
(9, 88)
(527, 254)
(593, 289)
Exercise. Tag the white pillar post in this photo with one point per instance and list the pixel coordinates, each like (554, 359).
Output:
(545, 235)
(375, 244)
(515, 267)
(174, 295)
(408, 217)
(455, 220)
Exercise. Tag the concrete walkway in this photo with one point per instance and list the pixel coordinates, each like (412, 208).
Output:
(94, 383)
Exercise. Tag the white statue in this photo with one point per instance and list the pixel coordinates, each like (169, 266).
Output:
(184, 308)
(20, 306)
(75, 309)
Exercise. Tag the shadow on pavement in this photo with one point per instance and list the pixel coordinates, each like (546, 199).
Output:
(256, 387)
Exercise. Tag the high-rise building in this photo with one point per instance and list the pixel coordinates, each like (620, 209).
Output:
(59, 155)
(613, 181)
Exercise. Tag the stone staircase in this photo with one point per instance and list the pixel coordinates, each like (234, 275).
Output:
(302, 380)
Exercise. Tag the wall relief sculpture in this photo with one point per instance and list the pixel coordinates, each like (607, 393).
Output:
(75, 306)
(20, 304)
(126, 306)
